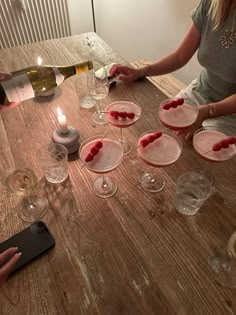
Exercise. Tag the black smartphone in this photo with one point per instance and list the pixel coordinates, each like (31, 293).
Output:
(31, 242)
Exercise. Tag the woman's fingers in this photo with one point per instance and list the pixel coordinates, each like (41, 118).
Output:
(7, 254)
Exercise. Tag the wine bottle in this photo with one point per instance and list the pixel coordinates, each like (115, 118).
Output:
(37, 80)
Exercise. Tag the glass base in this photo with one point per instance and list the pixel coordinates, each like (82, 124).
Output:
(34, 211)
(87, 102)
(126, 146)
(104, 187)
(224, 267)
(150, 182)
(99, 118)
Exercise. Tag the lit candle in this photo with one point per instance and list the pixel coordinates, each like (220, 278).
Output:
(62, 121)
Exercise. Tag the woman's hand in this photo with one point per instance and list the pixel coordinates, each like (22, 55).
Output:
(202, 115)
(8, 259)
(125, 73)
(6, 76)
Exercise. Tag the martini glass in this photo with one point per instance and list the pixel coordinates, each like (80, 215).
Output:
(178, 117)
(157, 152)
(123, 113)
(101, 155)
(23, 182)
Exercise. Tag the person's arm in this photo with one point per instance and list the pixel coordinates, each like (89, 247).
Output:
(211, 111)
(178, 58)
(170, 63)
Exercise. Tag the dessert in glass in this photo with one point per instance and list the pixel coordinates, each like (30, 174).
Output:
(23, 182)
(157, 149)
(175, 114)
(122, 114)
(102, 154)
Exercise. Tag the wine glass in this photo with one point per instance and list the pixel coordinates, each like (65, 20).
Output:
(23, 182)
(102, 154)
(123, 113)
(98, 86)
(157, 149)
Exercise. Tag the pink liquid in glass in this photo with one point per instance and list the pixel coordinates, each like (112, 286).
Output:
(161, 152)
(180, 117)
(123, 106)
(205, 139)
(108, 157)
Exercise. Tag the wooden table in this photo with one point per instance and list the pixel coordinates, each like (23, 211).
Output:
(128, 254)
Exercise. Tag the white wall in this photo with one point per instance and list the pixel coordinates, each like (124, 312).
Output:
(146, 29)
(80, 14)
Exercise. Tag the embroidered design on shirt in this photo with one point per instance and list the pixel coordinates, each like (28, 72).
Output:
(229, 38)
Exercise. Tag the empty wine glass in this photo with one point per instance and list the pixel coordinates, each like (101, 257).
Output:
(98, 86)
(23, 182)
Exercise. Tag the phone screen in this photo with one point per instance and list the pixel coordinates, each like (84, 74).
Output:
(31, 242)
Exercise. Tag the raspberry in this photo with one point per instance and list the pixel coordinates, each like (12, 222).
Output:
(123, 114)
(173, 104)
(231, 140)
(94, 150)
(144, 142)
(180, 101)
(131, 115)
(166, 106)
(114, 114)
(217, 146)
(157, 134)
(151, 138)
(225, 143)
(89, 158)
(98, 145)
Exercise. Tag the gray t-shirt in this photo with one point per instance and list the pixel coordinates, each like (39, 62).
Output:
(218, 78)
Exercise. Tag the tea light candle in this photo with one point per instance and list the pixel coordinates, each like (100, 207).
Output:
(62, 121)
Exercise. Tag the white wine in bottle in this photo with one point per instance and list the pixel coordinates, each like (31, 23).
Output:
(37, 80)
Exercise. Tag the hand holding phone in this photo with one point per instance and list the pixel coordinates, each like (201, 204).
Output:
(8, 260)
(31, 242)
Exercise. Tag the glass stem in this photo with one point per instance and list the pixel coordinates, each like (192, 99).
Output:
(100, 106)
(205, 168)
(121, 135)
(104, 182)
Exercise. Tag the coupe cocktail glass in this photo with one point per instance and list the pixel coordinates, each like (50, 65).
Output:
(178, 117)
(157, 152)
(123, 113)
(23, 182)
(101, 155)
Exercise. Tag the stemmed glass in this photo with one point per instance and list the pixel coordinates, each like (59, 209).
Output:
(122, 114)
(102, 154)
(23, 182)
(214, 145)
(157, 149)
(98, 87)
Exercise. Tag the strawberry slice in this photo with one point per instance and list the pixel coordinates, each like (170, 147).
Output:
(144, 142)
(166, 106)
(225, 143)
(157, 134)
(217, 146)
(173, 104)
(94, 150)
(131, 115)
(180, 101)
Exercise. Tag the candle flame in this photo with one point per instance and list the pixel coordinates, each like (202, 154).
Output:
(39, 61)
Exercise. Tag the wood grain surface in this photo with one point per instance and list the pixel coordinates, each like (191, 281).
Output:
(128, 254)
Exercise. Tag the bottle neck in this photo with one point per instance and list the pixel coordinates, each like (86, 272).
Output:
(83, 66)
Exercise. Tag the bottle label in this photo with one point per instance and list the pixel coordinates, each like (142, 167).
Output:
(59, 77)
(18, 88)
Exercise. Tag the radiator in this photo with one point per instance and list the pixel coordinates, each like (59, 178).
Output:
(28, 21)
